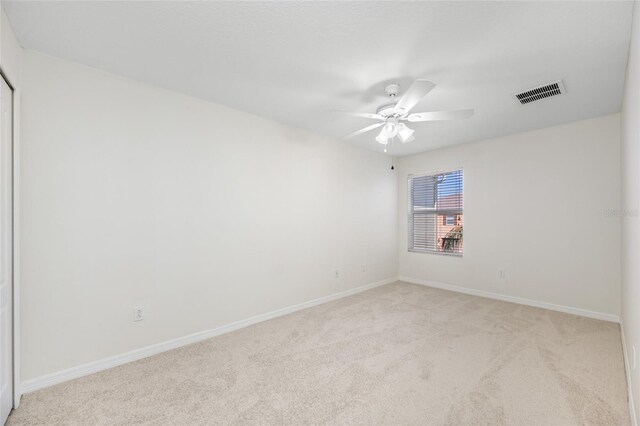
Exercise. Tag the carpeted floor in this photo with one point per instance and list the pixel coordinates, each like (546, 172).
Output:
(397, 354)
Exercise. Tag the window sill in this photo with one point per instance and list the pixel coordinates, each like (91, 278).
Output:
(441, 253)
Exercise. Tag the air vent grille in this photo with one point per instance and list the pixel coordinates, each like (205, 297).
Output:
(546, 91)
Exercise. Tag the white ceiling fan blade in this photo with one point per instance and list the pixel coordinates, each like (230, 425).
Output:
(361, 114)
(361, 131)
(440, 115)
(416, 92)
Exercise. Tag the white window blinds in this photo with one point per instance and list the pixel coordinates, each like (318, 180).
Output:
(436, 216)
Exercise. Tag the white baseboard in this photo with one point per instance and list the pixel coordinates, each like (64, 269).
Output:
(114, 361)
(627, 370)
(514, 299)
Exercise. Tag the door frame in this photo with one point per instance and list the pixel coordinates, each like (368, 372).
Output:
(15, 134)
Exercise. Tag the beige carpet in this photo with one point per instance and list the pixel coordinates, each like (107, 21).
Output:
(397, 354)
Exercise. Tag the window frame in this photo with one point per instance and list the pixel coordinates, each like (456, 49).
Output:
(435, 211)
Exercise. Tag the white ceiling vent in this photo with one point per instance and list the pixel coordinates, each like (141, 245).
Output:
(546, 91)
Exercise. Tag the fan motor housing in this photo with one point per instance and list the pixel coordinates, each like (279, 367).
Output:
(387, 110)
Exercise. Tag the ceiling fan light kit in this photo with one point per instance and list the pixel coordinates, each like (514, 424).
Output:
(390, 129)
(393, 113)
(382, 139)
(405, 134)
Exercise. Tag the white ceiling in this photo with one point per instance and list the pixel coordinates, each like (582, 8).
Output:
(294, 61)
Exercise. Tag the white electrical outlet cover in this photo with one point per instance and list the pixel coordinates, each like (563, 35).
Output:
(138, 314)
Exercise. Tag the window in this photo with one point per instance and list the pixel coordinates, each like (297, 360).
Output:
(436, 213)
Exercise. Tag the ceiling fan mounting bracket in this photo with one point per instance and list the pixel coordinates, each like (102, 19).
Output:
(392, 89)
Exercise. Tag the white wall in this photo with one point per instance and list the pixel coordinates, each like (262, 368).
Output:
(630, 211)
(202, 215)
(534, 205)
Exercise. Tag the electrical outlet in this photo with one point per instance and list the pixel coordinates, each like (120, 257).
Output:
(138, 314)
(337, 273)
(501, 274)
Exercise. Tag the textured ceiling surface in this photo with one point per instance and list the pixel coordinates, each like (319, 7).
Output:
(293, 62)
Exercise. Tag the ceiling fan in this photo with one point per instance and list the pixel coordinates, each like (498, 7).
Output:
(392, 114)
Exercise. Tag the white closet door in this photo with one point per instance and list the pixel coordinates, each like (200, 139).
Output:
(6, 251)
